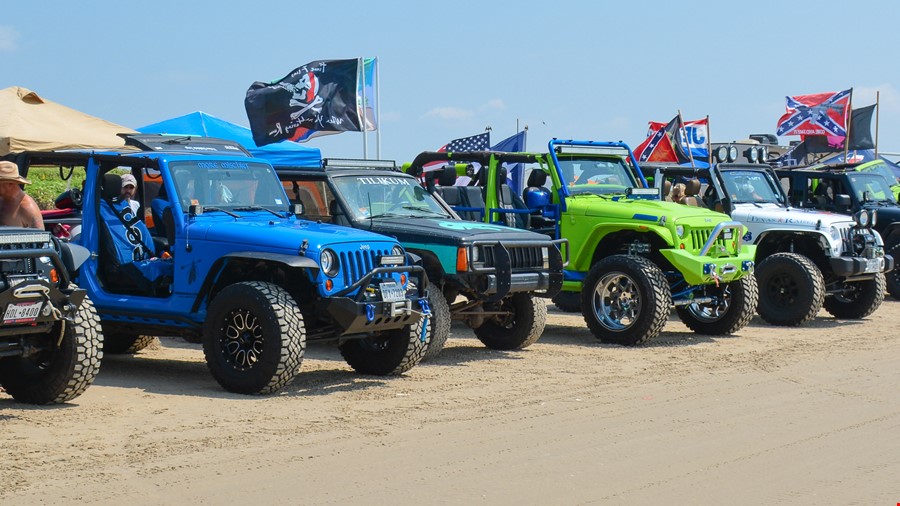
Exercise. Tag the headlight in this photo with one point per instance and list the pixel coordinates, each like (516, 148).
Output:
(763, 154)
(397, 250)
(475, 255)
(752, 154)
(679, 229)
(732, 153)
(329, 262)
(874, 219)
(862, 219)
(722, 154)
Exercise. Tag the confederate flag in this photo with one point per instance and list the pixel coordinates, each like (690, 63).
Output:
(663, 145)
(816, 114)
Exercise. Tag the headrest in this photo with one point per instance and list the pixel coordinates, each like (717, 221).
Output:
(501, 175)
(537, 178)
(112, 186)
(667, 187)
(692, 187)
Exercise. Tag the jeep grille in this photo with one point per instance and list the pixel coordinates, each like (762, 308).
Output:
(699, 236)
(520, 257)
(356, 264)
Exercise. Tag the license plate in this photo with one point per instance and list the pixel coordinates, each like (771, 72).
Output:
(874, 264)
(392, 292)
(727, 233)
(21, 313)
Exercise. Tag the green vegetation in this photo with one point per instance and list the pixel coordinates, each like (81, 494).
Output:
(46, 184)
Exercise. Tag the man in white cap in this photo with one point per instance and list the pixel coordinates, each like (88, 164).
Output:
(129, 187)
(17, 209)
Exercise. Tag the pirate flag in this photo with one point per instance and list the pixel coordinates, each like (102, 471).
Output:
(321, 95)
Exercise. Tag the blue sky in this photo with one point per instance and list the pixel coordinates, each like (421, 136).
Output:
(591, 70)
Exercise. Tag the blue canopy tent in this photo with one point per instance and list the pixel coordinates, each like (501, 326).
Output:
(200, 123)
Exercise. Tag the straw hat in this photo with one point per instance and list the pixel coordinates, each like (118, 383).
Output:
(10, 172)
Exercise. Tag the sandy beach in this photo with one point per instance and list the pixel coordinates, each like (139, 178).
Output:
(771, 415)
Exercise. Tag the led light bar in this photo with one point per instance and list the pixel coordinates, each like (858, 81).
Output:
(32, 237)
(591, 150)
(359, 163)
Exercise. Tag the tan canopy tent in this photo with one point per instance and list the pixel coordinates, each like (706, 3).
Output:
(29, 122)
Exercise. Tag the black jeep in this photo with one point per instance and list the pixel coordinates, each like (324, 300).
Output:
(498, 271)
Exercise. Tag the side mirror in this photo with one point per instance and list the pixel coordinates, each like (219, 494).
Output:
(842, 200)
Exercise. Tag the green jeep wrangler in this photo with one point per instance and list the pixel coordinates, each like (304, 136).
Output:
(632, 255)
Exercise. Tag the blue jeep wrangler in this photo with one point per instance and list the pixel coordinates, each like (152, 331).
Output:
(215, 254)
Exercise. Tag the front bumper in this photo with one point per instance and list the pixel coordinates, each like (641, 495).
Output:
(496, 281)
(704, 269)
(366, 311)
(858, 266)
(51, 305)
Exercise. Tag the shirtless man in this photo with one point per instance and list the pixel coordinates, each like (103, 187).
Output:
(17, 209)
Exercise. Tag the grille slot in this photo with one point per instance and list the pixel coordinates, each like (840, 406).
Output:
(699, 236)
(356, 264)
(520, 258)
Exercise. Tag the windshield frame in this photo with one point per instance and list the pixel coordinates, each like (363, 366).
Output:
(572, 170)
(356, 192)
(772, 191)
(227, 184)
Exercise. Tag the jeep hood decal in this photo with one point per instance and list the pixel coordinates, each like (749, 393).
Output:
(752, 216)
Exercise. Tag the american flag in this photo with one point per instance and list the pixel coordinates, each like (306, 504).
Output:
(817, 114)
(478, 142)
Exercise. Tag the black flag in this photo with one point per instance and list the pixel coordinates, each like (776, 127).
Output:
(321, 95)
(861, 128)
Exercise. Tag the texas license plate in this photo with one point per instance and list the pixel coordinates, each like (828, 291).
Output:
(392, 292)
(22, 313)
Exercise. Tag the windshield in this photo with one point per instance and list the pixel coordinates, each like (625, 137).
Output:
(598, 176)
(745, 186)
(870, 187)
(395, 196)
(228, 184)
(882, 169)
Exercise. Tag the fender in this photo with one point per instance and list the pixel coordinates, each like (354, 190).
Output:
(292, 261)
(599, 232)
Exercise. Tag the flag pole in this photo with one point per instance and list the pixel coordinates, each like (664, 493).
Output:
(877, 112)
(361, 74)
(377, 109)
(849, 121)
(684, 136)
(708, 142)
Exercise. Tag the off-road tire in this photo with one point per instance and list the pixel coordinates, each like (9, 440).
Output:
(893, 277)
(741, 297)
(866, 297)
(60, 375)
(651, 293)
(117, 342)
(389, 353)
(254, 338)
(518, 330)
(567, 302)
(438, 322)
(792, 289)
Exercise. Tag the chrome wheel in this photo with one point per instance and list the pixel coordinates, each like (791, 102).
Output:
(713, 311)
(616, 301)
